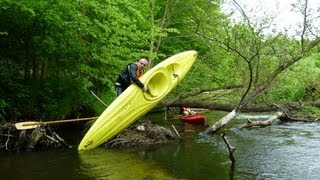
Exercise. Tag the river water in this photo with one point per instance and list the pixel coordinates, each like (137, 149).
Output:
(281, 151)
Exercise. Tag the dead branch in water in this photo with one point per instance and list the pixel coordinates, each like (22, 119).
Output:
(265, 123)
(6, 144)
(231, 149)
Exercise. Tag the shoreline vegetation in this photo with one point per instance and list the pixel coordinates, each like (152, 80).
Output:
(44, 137)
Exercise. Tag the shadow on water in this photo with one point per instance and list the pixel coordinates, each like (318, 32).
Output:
(41, 165)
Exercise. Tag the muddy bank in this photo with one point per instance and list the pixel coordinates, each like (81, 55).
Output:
(142, 134)
(45, 138)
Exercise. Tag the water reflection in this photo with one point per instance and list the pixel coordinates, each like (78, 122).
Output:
(107, 164)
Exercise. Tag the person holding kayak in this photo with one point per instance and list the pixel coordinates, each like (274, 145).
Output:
(131, 74)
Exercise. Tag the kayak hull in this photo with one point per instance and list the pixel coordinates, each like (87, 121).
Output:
(134, 103)
(194, 119)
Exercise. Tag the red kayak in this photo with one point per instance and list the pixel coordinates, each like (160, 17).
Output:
(194, 119)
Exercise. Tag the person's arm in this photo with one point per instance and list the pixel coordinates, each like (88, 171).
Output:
(132, 72)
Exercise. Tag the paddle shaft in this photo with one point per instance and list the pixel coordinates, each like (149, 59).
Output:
(58, 121)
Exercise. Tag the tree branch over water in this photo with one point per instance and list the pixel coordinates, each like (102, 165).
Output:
(256, 49)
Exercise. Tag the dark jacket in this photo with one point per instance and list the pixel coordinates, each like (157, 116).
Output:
(128, 75)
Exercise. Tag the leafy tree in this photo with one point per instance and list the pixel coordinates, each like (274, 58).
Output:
(252, 47)
(53, 52)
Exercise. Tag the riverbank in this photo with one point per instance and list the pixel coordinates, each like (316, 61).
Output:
(45, 137)
(37, 139)
(139, 134)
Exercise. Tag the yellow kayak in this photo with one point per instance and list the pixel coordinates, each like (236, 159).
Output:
(134, 102)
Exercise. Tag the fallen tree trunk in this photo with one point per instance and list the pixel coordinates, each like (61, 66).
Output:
(230, 107)
(265, 123)
(298, 119)
(218, 106)
(222, 122)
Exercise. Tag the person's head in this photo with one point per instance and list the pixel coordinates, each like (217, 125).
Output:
(143, 62)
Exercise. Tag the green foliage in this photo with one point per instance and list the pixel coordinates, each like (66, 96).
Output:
(2, 109)
(297, 82)
(52, 53)
(309, 111)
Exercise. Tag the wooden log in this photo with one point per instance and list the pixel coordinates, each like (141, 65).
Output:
(265, 123)
(222, 122)
(52, 139)
(35, 137)
(298, 119)
(62, 141)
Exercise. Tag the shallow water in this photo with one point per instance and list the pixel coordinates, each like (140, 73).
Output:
(281, 151)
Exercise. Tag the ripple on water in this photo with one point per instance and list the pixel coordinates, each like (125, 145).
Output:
(283, 150)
